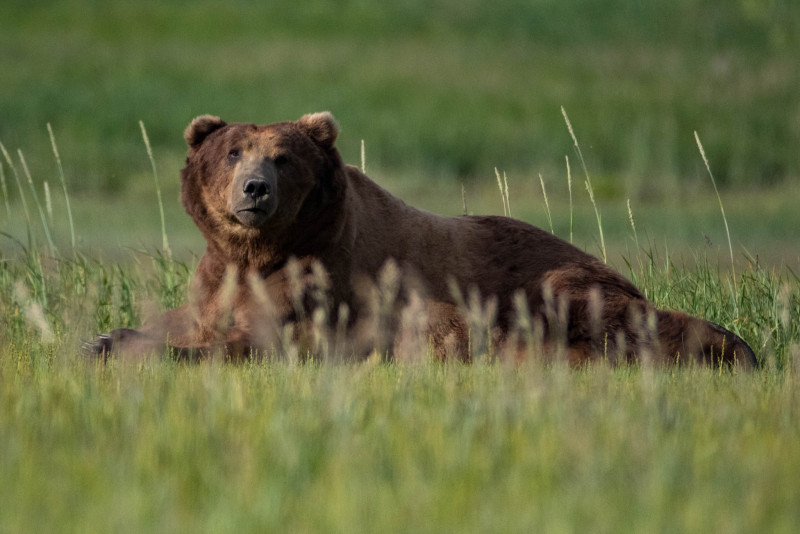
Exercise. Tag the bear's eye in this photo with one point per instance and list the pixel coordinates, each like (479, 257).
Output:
(234, 155)
(280, 161)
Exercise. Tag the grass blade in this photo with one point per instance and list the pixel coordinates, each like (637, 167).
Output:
(5, 192)
(546, 204)
(588, 183)
(722, 210)
(633, 224)
(19, 187)
(569, 187)
(505, 190)
(48, 202)
(63, 184)
(500, 186)
(36, 200)
(164, 241)
(363, 157)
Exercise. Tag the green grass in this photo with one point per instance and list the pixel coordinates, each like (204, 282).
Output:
(446, 89)
(393, 448)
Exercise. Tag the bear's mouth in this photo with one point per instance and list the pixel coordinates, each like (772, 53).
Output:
(252, 216)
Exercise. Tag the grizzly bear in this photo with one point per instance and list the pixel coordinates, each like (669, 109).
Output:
(302, 248)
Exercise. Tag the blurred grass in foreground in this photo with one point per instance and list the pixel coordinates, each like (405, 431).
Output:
(393, 448)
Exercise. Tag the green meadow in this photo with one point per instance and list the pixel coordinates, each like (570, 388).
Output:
(444, 95)
(444, 89)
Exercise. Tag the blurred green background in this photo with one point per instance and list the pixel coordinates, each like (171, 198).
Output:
(442, 92)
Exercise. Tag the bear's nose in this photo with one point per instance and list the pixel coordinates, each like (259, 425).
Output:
(256, 188)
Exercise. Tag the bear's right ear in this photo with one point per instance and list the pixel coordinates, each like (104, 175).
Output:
(200, 128)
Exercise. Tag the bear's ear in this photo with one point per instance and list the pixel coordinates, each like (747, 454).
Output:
(200, 128)
(321, 127)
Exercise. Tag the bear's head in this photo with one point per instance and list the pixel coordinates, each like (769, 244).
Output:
(243, 181)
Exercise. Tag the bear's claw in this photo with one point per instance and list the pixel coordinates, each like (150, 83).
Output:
(99, 346)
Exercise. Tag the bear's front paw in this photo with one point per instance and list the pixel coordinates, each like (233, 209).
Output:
(99, 347)
(102, 344)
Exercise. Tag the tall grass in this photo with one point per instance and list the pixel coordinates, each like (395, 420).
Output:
(547, 204)
(724, 219)
(719, 199)
(569, 188)
(35, 195)
(24, 202)
(4, 190)
(164, 240)
(588, 183)
(63, 185)
(502, 184)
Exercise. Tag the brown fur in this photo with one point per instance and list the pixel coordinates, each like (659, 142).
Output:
(319, 235)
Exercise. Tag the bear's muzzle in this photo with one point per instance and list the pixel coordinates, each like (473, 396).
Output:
(253, 193)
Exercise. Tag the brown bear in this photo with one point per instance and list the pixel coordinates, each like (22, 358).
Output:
(302, 248)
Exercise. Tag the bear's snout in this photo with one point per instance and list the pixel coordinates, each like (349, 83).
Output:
(253, 199)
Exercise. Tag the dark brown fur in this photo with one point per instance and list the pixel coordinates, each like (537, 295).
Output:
(316, 212)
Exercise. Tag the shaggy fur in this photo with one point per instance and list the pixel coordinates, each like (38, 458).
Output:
(297, 239)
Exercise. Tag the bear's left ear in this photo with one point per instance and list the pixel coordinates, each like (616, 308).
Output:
(200, 128)
(321, 127)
